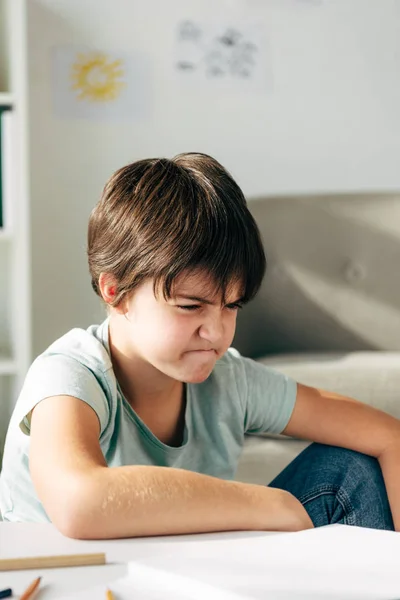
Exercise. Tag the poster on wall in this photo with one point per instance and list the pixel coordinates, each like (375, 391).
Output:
(222, 55)
(93, 84)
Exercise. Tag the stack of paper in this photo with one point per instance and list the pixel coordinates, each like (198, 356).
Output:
(334, 562)
(147, 583)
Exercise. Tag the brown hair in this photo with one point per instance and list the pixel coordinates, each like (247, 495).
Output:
(158, 218)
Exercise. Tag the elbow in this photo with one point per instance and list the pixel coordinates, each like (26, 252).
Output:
(70, 528)
(74, 525)
(76, 513)
(79, 525)
(77, 531)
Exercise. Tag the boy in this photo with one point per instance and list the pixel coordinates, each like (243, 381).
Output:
(135, 427)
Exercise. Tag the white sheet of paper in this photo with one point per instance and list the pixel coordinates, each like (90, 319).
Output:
(148, 583)
(334, 562)
(92, 84)
(229, 56)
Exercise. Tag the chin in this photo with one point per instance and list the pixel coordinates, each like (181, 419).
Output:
(197, 377)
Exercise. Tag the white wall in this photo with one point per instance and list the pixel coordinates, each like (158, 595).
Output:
(331, 122)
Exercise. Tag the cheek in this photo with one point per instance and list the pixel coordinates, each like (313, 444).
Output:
(230, 328)
(176, 331)
(153, 330)
(181, 329)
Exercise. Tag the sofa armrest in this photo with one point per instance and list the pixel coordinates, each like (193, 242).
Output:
(372, 377)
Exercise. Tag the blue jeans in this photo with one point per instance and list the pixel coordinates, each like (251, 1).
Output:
(336, 485)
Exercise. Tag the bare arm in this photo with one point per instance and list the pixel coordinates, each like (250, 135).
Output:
(86, 499)
(330, 418)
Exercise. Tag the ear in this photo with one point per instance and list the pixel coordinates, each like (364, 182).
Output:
(108, 289)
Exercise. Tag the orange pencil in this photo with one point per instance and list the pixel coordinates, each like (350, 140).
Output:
(109, 595)
(30, 589)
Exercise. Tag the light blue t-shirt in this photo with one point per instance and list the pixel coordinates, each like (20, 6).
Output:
(240, 396)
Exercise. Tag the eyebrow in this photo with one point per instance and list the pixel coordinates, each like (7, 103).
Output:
(204, 300)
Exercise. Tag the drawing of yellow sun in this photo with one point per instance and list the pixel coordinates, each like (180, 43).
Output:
(96, 78)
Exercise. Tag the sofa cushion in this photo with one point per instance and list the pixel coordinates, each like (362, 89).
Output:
(263, 459)
(331, 282)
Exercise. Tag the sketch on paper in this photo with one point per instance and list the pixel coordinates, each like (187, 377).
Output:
(95, 77)
(94, 84)
(215, 52)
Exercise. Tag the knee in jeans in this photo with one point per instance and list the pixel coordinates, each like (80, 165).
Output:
(355, 465)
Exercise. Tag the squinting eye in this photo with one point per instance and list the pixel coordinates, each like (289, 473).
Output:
(189, 307)
(234, 306)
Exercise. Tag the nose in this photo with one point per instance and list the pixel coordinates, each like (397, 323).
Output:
(212, 329)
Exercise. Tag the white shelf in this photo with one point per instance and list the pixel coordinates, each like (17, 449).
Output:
(15, 326)
(8, 366)
(6, 99)
(5, 235)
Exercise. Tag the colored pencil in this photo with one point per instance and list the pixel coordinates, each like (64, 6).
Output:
(30, 590)
(50, 562)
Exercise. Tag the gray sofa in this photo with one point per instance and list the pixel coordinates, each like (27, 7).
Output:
(328, 313)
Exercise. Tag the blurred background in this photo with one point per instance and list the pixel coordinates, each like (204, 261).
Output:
(326, 120)
(298, 99)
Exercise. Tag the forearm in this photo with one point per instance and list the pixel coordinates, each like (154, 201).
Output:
(389, 462)
(145, 501)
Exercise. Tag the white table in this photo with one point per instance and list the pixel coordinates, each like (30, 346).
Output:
(33, 539)
(342, 561)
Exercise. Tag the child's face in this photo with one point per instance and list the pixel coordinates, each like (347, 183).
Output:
(182, 337)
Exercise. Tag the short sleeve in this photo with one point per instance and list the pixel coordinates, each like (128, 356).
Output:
(271, 397)
(60, 375)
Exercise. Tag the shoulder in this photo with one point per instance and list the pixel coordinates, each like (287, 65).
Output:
(267, 395)
(77, 364)
(229, 375)
(247, 374)
(86, 347)
(240, 365)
